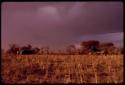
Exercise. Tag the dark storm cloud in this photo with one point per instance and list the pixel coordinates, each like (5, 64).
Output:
(56, 24)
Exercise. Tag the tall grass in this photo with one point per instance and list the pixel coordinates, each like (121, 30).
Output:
(62, 69)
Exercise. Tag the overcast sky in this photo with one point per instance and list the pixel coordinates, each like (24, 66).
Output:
(60, 23)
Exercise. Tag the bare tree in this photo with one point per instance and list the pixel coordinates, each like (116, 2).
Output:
(71, 49)
(44, 50)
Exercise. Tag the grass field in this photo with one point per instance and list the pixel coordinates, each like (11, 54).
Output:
(62, 69)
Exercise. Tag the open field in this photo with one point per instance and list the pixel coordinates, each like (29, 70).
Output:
(62, 69)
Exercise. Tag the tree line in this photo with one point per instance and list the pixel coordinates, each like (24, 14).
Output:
(86, 47)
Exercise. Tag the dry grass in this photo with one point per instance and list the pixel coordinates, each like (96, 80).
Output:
(62, 69)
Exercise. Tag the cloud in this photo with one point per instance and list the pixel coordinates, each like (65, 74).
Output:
(48, 14)
(58, 24)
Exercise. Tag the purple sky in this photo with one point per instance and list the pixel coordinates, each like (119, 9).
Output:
(59, 23)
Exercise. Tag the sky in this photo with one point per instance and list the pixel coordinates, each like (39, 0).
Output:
(57, 24)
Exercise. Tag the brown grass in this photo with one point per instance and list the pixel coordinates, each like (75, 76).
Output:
(62, 69)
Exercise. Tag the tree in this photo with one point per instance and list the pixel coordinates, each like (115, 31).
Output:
(71, 49)
(14, 48)
(90, 46)
(108, 47)
(44, 50)
(122, 50)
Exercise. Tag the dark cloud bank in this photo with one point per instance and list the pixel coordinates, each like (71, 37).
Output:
(58, 24)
